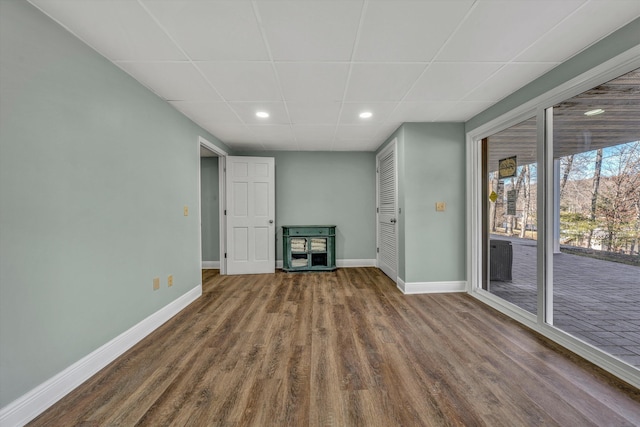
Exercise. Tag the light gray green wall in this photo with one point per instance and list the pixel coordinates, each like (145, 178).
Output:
(618, 42)
(328, 188)
(94, 173)
(210, 208)
(434, 171)
(431, 168)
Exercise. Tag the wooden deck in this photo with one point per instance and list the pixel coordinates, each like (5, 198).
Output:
(344, 348)
(594, 300)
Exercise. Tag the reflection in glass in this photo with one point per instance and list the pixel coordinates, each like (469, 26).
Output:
(510, 215)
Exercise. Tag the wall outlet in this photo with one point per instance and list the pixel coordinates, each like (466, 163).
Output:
(186, 211)
(170, 280)
(156, 283)
(440, 206)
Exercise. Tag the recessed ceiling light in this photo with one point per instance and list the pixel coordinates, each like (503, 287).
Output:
(262, 114)
(365, 114)
(594, 112)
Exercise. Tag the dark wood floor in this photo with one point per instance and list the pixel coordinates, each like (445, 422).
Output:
(343, 349)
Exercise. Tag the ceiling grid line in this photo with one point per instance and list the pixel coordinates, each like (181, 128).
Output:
(316, 64)
(363, 10)
(469, 11)
(265, 40)
(558, 24)
(514, 60)
(186, 55)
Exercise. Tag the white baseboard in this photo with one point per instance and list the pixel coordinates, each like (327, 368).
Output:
(345, 263)
(210, 265)
(356, 263)
(431, 287)
(36, 401)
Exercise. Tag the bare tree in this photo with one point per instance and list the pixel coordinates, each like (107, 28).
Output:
(619, 194)
(518, 187)
(526, 172)
(568, 163)
(493, 186)
(594, 193)
(635, 243)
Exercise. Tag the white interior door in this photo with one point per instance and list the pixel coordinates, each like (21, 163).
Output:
(250, 215)
(387, 236)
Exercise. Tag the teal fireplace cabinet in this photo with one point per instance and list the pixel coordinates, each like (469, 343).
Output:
(309, 247)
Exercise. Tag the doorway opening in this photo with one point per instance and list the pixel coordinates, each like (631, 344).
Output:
(212, 206)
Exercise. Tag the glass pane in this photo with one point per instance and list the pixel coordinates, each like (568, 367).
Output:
(596, 270)
(510, 217)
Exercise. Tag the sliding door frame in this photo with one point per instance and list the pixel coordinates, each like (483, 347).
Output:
(541, 108)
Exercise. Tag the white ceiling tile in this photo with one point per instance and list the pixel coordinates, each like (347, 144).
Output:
(384, 136)
(356, 145)
(212, 30)
(248, 146)
(508, 79)
(593, 21)
(499, 30)
(450, 81)
(280, 146)
(313, 133)
(247, 112)
(484, 50)
(118, 29)
(306, 113)
(273, 133)
(231, 134)
(407, 30)
(419, 111)
(359, 132)
(381, 82)
(312, 82)
(325, 145)
(207, 112)
(242, 81)
(367, 138)
(387, 129)
(351, 112)
(310, 30)
(173, 81)
(463, 111)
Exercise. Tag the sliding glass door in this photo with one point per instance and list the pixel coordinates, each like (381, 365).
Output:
(510, 215)
(571, 172)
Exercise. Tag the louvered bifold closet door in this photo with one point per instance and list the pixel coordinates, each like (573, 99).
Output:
(387, 224)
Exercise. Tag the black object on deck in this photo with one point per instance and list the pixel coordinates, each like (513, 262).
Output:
(500, 260)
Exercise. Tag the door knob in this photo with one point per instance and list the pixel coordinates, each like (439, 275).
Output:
(393, 220)
(270, 221)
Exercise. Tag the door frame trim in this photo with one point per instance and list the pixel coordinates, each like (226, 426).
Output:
(222, 162)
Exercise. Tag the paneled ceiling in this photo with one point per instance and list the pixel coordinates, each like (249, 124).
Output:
(315, 65)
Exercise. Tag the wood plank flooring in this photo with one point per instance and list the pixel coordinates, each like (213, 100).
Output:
(344, 348)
